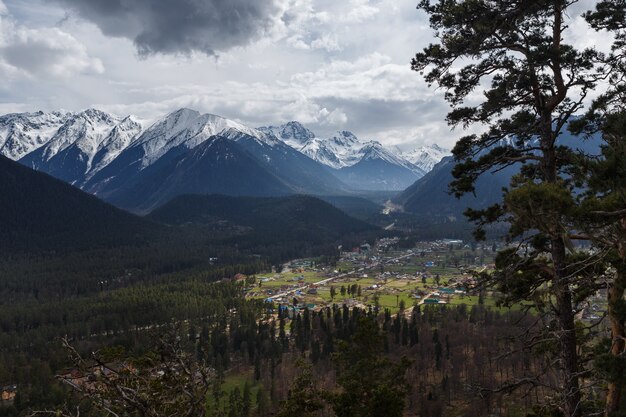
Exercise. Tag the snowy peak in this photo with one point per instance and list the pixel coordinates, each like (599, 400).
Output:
(82, 145)
(186, 128)
(85, 130)
(341, 150)
(344, 138)
(22, 133)
(338, 151)
(374, 150)
(426, 157)
(324, 152)
(291, 133)
(103, 153)
(115, 142)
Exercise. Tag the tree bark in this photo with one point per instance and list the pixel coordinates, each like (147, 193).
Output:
(617, 323)
(567, 337)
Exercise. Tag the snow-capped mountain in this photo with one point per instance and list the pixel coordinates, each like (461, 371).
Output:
(374, 150)
(344, 149)
(216, 166)
(364, 165)
(426, 157)
(119, 160)
(115, 142)
(69, 154)
(186, 129)
(338, 151)
(22, 133)
(168, 150)
(292, 133)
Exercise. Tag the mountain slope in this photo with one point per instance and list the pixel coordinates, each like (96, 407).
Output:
(357, 207)
(22, 133)
(161, 147)
(376, 175)
(302, 174)
(361, 165)
(82, 145)
(338, 151)
(112, 157)
(303, 217)
(378, 169)
(38, 212)
(429, 197)
(291, 133)
(167, 138)
(219, 165)
(426, 157)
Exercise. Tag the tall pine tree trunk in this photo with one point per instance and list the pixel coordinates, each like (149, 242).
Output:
(617, 323)
(567, 329)
(566, 335)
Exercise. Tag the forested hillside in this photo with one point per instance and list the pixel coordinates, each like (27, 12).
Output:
(41, 213)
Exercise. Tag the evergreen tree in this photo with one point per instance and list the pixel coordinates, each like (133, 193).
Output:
(262, 403)
(246, 400)
(536, 83)
(371, 385)
(602, 208)
(304, 399)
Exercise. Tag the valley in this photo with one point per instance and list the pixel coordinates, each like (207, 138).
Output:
(312, 208)
(430, 273)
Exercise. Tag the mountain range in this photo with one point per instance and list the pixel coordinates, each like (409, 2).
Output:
(362, 165)
(429, 198)
(139, 167)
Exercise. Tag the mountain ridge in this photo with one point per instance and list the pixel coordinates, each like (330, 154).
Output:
(109, 156)
(47, 214)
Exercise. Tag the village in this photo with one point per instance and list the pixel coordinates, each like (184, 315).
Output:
(380, 275)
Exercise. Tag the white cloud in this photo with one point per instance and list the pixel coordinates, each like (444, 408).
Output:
(361, 11)
(49, 51)
(42, 52)
(330, 64)
(326, 42)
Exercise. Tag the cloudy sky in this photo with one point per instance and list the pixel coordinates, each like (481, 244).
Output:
(329, 64)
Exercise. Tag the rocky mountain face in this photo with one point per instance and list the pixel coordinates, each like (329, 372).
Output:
(426, 157)
(362, 165)
(138, 167)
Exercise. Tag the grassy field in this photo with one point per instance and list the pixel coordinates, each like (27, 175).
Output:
(391, 290)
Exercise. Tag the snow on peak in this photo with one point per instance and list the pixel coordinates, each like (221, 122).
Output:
(99, 138)
(22, 133)
(341, 150)
(115, 142)
(426, 157)
(373, 150)
(291, 133)
(85, 130)
(186, 128)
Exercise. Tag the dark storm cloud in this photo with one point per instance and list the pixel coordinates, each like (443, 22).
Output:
(179, 26)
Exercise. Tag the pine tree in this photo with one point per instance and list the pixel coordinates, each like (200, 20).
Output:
(304, 398)
(246, 399)
(371, 385)
(602, 208)
(536, 82)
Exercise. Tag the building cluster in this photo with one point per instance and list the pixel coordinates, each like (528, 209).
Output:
(7, 394)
